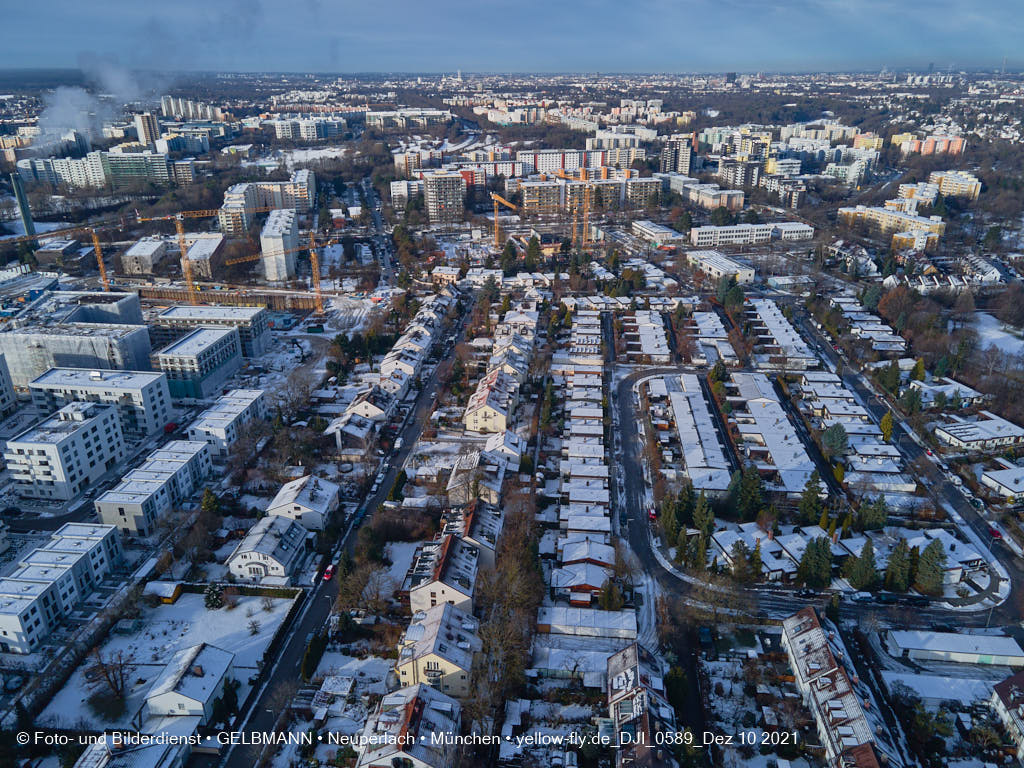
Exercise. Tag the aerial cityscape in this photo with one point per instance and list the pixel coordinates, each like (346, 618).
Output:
(590, 413)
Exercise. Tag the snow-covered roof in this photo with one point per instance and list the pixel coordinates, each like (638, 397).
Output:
(194, 672)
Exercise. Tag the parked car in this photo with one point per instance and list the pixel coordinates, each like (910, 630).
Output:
(995, 533)
(329, 572)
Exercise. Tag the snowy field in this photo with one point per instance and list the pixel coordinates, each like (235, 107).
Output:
(42, 227)
(293, 158)
(993, 333)
(167, 629)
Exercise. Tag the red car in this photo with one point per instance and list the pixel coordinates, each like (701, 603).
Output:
(651, 514)
(994, 533)
(329, 572)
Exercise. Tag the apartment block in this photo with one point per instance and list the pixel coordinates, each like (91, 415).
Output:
(735, 234)
(199, 363)
(253, 324)
(438, 649)
(223, 423)
(444, 193)
(956, 183)
(62, 456)
(162, 482)
(676, 154)
(717, 265)
(51, 580)
(8, 399)
(142, 398)
(279, 242)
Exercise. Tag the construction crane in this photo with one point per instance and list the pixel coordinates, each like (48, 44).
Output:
(498, 199)
(586, 215)
(314, 262)
(314, 265)
(179, 226)
(94, 235)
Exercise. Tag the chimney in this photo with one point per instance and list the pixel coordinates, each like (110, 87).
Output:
(197, 670)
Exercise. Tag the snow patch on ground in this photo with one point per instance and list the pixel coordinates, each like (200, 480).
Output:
(993, 333)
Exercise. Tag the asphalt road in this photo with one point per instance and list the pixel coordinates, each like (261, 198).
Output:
(321, 597)
(772, 601)
(936, 480)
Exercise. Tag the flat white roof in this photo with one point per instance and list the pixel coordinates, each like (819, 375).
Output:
(195, 342)
(84, 377)
(210, 312)
(957, 642)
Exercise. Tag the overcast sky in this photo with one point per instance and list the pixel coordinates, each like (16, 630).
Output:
(519, 35)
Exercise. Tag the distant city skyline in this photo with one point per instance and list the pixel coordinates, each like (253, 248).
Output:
(527, 36)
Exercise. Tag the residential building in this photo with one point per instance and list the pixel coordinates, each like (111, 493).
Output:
(717, 265)
(675, 155)
(767, 437)
(224, 423)
(734, 234)
(1008, 704)
(242, 200)
(142, 398)
(739, 173)
(777, 344)
(199, 363)
(491, 406)
(638, 706)
(438, 649)
(413, 727)
(310, 500)
(935, 144)
(271, 551)
(279, 242)
(253, 324)
(59, 458)
(190, 684)
(8, 399)
(51, 580)
(888, 221)
(956, 184)
(985, 432)
(406, 117)
(950, 393)
(444, 194)
(161, 483)
(1007, 481)
(34, 348)
(444, 571)
(827, 690)
(144, 255)
(147, 128)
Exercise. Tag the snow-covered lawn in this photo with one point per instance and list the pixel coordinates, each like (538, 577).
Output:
(293, 158)
(165, 630)
(992, 333)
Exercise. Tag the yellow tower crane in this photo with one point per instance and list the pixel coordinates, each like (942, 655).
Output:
(314, 262)
(94, 235)
(498, 199)
(179, 226)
